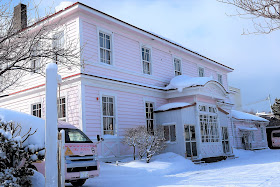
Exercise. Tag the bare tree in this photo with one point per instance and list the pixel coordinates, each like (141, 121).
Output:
(26, 46)
(268, 10)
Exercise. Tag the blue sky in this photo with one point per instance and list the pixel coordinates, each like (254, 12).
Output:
(203, 26)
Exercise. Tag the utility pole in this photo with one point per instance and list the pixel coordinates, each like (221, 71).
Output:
(51, 158)
(269, 98)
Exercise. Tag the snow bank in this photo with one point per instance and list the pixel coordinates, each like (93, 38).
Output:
(171, 106)
(183, 81)
(245, 116)
(38, 179)
(26, 121)
(163, 164)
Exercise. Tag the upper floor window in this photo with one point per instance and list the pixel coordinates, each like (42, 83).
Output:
(220, 78)
(36, 110)
(146, 60)
(58, 46)
(105, 45)
(61, 109)
(177, 67)
(149, 116)
(201, 72)
(35, 59)
(169, 133)
(108, 115)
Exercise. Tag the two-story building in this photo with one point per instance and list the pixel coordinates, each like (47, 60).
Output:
(133, 77)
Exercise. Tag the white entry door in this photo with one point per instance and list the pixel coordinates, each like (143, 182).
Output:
(190, 141)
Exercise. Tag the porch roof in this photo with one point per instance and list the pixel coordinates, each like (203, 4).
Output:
(245, 116)
(183, 81)
(174, 106)
(242, 128)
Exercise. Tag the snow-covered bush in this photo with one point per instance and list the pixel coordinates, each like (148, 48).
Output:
(131, 139)
(147, 143)
(16, 159)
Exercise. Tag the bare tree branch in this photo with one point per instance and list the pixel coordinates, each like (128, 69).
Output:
(265, 14)
(30, 50)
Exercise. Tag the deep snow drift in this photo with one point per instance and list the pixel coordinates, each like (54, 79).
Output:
(252, 168)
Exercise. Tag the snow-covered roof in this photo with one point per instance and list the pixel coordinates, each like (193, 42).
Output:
(245, 116)
(183, 81)
(247, 128)
(172, 106)
(26, 121)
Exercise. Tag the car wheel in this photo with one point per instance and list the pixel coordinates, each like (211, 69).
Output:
(79, 182)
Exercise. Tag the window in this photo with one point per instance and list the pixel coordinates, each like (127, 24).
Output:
(190, 141)
(105, 45)
(146, 60)
(220, 78)
(169, 133)
(58, 46)
(201, 72)
(36, 110)
(108, 115)
(253, 136)
(177, 67)
(61, 109)
(35, 60)
(150, 116)
(225, 140)
(262, 131)
(209, 128)
(75, 136)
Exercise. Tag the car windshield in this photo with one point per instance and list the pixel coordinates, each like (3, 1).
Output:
(75, 136)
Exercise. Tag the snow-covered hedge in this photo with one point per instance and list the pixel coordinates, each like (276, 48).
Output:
(17, 153)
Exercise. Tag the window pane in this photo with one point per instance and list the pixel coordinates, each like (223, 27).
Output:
(172, 133)
(194, 151)
(188, 149)
(192, 130)
(166, 133)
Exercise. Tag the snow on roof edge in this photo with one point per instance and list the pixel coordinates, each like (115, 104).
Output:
(246, 116)
(173, 106)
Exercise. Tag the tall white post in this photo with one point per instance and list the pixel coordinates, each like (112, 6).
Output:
(51, 163)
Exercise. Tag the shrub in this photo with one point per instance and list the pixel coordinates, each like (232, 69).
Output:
(146, 142)
(15, 159)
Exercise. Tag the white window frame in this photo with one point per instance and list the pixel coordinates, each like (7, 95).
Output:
(35, 64)
(176, 71)
(108, 116)
(58, 108)
(220, 78)
(262, 132)
(62, 47)
(205, 113)
(150, 119)
(169, 127)
(144, 61)
(203, 72)
(253, 136)
(36, 110)
(105, 31)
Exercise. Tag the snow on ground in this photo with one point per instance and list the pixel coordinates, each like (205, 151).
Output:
(252, 168)
(38, 179)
